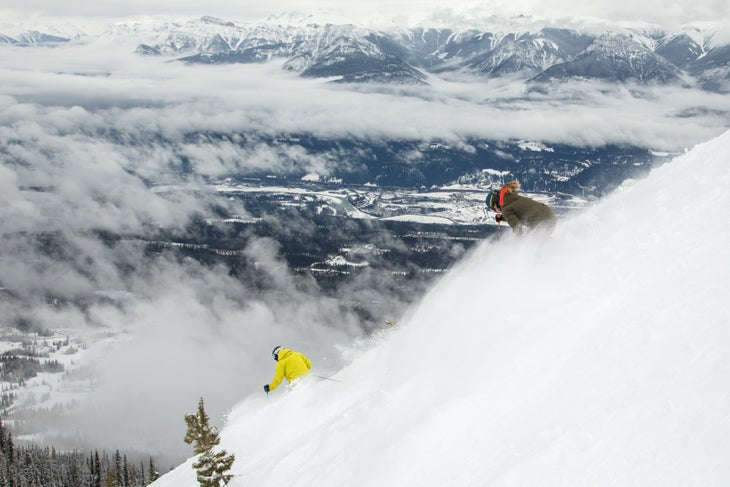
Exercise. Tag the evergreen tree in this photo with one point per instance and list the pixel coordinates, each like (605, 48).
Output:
(118, 474)
(133, 478)
(200, 432)
(142, 474)
(111, 479)
(2, 436)
(9, 448)
(125, 471)
(154, 474)
(74, 475)
(211, 466)
(35, 466)
(97, 470)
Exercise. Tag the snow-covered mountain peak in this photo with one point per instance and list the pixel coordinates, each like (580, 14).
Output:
(717, 38)
(308, 18)
(59, 29)
(217, 21)
(337, 49)
(623, 43)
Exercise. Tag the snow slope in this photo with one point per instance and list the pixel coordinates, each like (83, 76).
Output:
(601, 357)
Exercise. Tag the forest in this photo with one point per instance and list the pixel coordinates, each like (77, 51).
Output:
(30, 465)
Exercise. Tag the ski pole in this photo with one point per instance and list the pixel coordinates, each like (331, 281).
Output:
(327, 378)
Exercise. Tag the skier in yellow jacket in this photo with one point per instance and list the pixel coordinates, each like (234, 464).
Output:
(290, 364)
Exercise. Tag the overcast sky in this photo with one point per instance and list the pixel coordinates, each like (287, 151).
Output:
(654, 11)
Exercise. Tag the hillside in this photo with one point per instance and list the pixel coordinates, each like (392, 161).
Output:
(598, 358)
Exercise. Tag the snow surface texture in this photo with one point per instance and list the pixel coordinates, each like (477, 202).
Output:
(601, 357)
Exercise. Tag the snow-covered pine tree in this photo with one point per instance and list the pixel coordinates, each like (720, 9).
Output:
(211, 466)
(200, 432)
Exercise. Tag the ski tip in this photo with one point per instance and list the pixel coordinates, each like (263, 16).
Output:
(390, 323)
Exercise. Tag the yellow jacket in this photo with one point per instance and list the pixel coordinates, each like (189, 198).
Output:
(291, 365)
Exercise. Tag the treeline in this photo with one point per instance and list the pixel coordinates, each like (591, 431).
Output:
(17, 368)
(34, 466)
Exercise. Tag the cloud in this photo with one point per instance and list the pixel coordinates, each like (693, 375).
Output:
(180, 330)
(144, 96)
(84, 156)
(197, 333)
(85, 153)
(383, 12)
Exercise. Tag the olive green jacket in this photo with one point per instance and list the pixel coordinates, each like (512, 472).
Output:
(520, 212)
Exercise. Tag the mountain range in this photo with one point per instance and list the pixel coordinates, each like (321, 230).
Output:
(350, 53)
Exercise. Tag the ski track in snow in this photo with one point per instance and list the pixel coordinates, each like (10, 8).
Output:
(599, 357)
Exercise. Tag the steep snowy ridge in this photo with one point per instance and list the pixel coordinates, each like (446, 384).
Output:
(597, 358)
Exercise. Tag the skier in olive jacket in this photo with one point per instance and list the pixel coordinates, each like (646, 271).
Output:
(524, 215)
(290, 364)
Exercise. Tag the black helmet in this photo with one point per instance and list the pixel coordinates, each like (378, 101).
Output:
(275, 352)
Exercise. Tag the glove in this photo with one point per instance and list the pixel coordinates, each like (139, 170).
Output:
(266, 388)
(499, 218)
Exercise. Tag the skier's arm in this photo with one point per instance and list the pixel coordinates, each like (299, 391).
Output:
(278, 376)
(514, 222)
